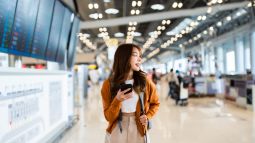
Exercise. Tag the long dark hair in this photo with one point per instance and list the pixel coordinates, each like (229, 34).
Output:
(121, 68)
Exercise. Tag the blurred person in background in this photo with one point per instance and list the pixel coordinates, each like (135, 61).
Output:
(173, 84)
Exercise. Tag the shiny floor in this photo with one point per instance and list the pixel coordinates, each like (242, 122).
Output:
(204, 120)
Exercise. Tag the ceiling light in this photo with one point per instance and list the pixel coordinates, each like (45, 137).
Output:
(90, 6)
(157, 7)
(130, 23)
(219, 23)
(190, 40)
(129, 28)
(159, 32)
(175, 4)
(119, 34)
(205, 32)
(220, 1)
(86, 35)
(168, 22)
(107, 0)
(214, 1)
(199, 18)
(211, 28)
(111, 11)
(135, 23)
(137, 12)
(163, 22)
(198, 35)
(137, 34)
(133, 3)
(209, 10)
(94, 15)
(180, 5)
(100, 15)
(104, 29)
(249, 4)
(159, 28)
(228, 18)
(204, 17)
(96, 6)
(133, 28)
(163, 27)
(139, 3)
(132, 12)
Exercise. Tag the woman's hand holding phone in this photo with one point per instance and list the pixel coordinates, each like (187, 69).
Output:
(121, 96)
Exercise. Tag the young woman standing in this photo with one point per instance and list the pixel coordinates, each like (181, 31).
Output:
(126, 123)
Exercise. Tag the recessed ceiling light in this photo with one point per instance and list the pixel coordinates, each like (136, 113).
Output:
(139, 3)
(157, 7)
(229, 18)
(219, 24)
(96, 6)
(111, 11)
(133, 3)
(94, 15)
(90, 6)
(175, 4)
(180, 5)
(132, 12)
(119, 34)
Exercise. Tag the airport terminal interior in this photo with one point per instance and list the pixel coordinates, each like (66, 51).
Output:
(198, 55)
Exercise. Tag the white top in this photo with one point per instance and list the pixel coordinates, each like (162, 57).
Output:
(129, 105)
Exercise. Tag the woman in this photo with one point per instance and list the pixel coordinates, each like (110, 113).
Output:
(126, 124)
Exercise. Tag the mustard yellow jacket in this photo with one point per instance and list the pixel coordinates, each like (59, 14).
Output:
(111, 109)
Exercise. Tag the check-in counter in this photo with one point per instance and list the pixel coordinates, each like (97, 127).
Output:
(238, 88)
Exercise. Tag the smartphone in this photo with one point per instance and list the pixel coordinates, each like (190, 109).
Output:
(126, 86)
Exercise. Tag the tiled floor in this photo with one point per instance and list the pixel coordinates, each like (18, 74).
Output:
(204, 120)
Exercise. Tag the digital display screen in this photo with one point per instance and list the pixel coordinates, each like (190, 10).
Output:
(7, 12)
(73, 41)
(55, 31)
(23, 27)
(42, 29)
(66, 26)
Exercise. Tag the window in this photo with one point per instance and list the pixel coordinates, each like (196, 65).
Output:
(230, 61)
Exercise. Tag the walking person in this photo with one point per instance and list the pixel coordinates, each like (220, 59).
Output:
(173, 84)
(122, 109)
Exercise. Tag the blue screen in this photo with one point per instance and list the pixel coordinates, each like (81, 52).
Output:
(73, 42)
(42, 29)
(66, 26)
(23, 27)
(55, 31)
(7, 12)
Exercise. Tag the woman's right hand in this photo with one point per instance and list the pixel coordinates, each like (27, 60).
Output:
(121, 96)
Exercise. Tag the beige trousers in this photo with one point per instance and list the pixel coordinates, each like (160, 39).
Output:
(130, 133)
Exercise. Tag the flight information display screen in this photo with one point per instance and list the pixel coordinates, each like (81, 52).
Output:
(55, 31)
(66, 26)
(7, 12)
(23, 27)
(73, 42)
(42, 29)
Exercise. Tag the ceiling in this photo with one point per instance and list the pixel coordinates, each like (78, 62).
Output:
(203, 28)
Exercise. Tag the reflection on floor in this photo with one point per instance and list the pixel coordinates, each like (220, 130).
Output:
(204, 120)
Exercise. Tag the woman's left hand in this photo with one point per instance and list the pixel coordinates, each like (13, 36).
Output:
(144, 120)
